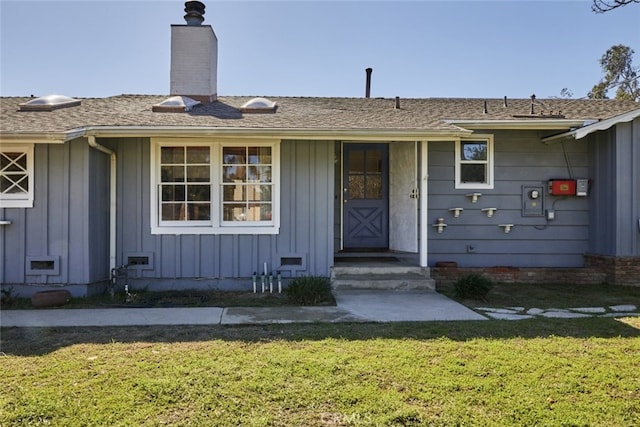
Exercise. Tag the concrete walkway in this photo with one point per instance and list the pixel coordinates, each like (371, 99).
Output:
(352, 306)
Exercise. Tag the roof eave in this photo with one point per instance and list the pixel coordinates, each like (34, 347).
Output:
(526, 124)
(600, 125)
(41, 137)
(284, 133)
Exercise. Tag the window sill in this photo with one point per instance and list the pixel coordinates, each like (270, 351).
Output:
(466, 186)
(15, 203)
(247, 230)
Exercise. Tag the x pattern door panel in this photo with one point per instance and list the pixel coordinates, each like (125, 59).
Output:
(366, 200)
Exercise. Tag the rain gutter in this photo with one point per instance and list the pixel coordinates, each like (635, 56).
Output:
(525, 124)
(112, 199)
(594, 127)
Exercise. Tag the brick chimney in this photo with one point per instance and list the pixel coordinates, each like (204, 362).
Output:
(194, 57)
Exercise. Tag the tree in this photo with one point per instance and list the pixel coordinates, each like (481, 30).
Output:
(602, 6)
(620, 73)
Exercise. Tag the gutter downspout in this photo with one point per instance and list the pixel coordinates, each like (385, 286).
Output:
(112, 199)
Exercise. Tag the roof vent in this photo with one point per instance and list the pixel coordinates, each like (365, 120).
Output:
(259, 105)
(175, 104)
(49, 103)
(195, 12)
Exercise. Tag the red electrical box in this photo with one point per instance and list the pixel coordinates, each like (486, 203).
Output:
(562, 187)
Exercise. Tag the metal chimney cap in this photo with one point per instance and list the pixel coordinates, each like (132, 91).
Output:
(195, 12)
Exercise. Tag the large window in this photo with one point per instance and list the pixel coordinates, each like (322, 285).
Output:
(16, 176)
(474, 163)
(214, 187)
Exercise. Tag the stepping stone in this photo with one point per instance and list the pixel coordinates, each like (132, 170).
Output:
(589, 309)
(623, 307)
(620, 314)
(499, 310)
(535, 311)
(563, 314)
(508, 316)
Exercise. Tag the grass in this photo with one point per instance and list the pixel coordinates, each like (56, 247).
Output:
(530, 372)
(550, 295)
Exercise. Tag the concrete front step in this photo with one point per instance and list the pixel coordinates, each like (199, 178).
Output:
(367, 277)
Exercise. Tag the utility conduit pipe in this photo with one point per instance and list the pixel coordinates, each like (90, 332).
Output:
(112, 199)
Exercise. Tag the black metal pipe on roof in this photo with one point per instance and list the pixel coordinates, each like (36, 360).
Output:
(367, 92)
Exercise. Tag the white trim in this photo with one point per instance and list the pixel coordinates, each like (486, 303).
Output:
(20, 200)
(525, 124)
(215, 225)
(424, 204)
(489, 162)
(271, 134)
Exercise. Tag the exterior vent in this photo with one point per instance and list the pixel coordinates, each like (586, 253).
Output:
(140, 260)
(49, 103)
(175, 104)
(43, 265)
(259, 105)
(293, 262)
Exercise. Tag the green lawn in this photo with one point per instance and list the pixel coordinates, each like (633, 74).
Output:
(530, 372)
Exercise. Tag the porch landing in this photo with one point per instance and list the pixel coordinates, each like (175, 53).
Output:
(380, 271)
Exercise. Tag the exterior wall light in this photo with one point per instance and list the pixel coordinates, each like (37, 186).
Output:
(456, 211)
(474, 196)
(440, 225)
(489, 211)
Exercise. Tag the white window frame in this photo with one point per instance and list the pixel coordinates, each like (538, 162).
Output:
(20, 200)
(215, 225)
(488, 184)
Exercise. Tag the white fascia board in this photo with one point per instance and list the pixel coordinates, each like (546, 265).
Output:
(253, 133)
(40, 137)
(33, 138)
(270, 133)
(527, 124)
(581, 132)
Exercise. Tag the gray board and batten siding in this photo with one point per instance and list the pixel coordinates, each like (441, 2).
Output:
(521, 161)
(217, 261)
(615, 170)
(64, 238)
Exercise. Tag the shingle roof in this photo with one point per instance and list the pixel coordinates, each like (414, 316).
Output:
(425, 114)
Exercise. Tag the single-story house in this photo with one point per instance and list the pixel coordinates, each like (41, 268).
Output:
(192, 189)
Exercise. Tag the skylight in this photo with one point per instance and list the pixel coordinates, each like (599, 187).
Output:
(49, 103)
(259, 105)
(175, 104)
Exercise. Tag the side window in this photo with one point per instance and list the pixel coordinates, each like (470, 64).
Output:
(16, 176)
(474, 163)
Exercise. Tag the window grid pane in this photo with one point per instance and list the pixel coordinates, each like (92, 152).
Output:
(180, 198)
(246, 180)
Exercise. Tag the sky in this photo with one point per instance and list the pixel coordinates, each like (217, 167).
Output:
(417, 49)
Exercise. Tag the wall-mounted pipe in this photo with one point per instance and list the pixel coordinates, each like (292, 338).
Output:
(112, 198)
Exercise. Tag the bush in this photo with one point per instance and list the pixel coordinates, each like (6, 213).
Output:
(473, 286)
(310, 290)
